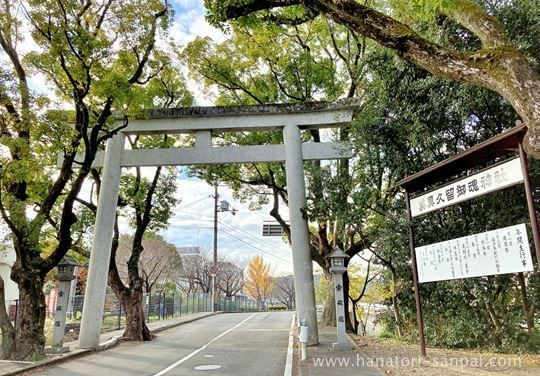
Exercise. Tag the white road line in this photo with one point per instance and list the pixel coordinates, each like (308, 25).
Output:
(289, 361)
(269, 330)
(172, 366)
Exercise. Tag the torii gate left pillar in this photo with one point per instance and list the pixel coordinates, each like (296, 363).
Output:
(250, 118)
(98, 269)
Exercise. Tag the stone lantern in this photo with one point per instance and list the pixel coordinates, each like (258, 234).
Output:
(338, 259)
(66, 269)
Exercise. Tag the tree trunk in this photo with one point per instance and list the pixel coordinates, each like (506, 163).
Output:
(7, 330)
(131, 299)
(350, 322)
(354, 319)
(29, 330)
(493, 316)
(136, 328)
(328, 317)
(528, 310)
(395, 307)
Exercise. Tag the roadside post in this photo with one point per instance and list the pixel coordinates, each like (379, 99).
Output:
(303, 338)
(66, 269)
(212, 270)
(337, 262)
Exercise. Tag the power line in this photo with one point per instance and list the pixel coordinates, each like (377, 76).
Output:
(234, 238)
(254, 238)
(254, 247)
(182, 205)
(231, 227)
(191, 227)
(239, 231)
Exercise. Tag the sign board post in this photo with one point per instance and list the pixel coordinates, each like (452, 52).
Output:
(419, 315)
(530, 201)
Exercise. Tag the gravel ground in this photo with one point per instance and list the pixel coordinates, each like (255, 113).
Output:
(401, 359)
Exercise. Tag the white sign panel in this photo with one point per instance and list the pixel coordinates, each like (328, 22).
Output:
(501, 176)
(501, 251)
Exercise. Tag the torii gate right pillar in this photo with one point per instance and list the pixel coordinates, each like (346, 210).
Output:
(301, 255)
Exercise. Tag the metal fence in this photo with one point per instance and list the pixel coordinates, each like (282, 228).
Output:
(157, 306)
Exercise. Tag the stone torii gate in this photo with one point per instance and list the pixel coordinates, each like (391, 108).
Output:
(204, 122)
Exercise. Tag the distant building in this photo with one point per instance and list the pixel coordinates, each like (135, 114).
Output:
(7, 259)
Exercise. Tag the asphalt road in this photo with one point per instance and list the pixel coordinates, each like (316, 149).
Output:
(239, 343)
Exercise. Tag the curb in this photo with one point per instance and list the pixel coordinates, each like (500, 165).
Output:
(47, 362)
(109, 343)
(113, 341)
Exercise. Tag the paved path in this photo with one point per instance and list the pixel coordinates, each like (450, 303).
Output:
(243, 344)
(106, 339)
(323, 361)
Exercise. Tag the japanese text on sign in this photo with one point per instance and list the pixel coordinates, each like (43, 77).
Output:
(501, 251)
(501, 176)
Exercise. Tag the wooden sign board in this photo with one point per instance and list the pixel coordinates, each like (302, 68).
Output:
(492, 179)
(501, 251)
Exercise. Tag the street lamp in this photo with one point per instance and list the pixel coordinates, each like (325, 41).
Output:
(66, 273)
(219, 207)
(337, 262)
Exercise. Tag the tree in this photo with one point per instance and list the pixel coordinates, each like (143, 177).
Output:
(195, 275)
(149, 204)
(410, 121)
(152, 202)
(230, 278)
(93, 70)
(497, 64)
(259, 283)
(157, 264)
(357, 289)
(284, 291)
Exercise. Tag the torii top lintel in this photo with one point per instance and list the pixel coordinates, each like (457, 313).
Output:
(206, 121)
(485, 151)
(241, 118)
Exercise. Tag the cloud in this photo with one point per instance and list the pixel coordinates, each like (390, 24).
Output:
(190, 23)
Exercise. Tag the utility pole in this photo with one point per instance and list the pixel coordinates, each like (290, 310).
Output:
(214, 263)
(218, 207)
